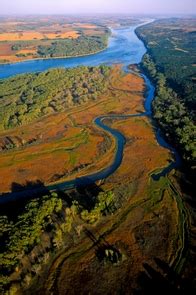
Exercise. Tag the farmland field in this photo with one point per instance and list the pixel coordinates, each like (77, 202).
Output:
(46, 38)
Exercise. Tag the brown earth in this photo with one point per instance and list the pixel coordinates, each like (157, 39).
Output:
(16, 33)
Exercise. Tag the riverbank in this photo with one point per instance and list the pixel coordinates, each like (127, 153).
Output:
(143, 208)
(86, 135)
(51, 58)
(172, 94)
(113, 54)
(148, 220)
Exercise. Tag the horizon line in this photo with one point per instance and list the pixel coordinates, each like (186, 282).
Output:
(98, 13)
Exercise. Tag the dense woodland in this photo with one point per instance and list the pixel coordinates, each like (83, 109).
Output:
(73, 47)
(83, 45)
(170, 62)
(24, 98)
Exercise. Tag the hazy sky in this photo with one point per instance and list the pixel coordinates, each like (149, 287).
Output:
(97, 6)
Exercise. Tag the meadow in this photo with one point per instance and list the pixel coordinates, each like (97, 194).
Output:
(143, 219)
(59, 140)
(149, 220)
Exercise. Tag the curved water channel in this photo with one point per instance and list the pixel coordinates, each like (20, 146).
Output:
(124, 48)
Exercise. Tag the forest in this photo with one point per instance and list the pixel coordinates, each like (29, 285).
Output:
(170, 63)
(24, 98)
(73, 47)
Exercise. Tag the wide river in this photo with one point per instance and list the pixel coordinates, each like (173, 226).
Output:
(124, 48)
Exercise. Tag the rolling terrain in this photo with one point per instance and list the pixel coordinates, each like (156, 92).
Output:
(42, 37)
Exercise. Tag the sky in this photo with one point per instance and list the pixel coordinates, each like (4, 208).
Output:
(97, 6)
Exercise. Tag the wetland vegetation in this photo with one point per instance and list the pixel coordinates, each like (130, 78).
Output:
(88, 223)
(104, 234)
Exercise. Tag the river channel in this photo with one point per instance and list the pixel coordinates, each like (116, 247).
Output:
(124, 48)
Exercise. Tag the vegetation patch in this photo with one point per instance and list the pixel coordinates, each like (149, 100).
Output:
(54, 146)
(49, 38)
(171, 69)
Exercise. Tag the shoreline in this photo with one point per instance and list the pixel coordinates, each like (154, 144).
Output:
(147, 112)
(56, 57)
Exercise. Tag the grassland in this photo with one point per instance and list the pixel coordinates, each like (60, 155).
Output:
(141, 231)
(55, 140)
(36, 35)
(148, 220)
(149, 223)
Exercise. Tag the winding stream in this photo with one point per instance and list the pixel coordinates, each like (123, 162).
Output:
(124, 48)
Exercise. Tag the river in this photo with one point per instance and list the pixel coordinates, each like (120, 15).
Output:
(124, 48)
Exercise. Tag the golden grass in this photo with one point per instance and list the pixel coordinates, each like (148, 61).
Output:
(85, 26)
(142, 154)
(56, 133)
(34, 35)
(12, 32)
(63, 35)
(9, 58)
(145, 227)
(147, 224)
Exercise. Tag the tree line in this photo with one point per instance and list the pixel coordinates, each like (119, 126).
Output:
(73, 47)
(24, 98)
(172, 72)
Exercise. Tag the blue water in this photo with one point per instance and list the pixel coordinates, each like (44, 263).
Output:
(124, 48)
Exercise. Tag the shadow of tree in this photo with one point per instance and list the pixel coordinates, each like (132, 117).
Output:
(12, 204)
(162, 280)
(103, 250)
(85, 194)
(29, 185)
